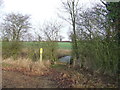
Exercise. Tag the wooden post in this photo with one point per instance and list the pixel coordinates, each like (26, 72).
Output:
(41, 51)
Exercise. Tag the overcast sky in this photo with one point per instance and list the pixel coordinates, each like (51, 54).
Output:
(40, 10)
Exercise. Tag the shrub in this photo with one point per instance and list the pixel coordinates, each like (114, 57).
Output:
(11, 49)
(98, 54)
(50, 51)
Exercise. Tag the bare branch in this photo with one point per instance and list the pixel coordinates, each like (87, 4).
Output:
(15, 25)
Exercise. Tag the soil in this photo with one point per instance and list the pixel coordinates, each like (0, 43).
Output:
(12, 79)
(57, 77)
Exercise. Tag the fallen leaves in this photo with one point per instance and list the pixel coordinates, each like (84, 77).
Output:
(64, 75)
(65, 79)
(25, 71)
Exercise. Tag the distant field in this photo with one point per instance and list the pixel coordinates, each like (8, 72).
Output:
(64, 45)
(61, 45)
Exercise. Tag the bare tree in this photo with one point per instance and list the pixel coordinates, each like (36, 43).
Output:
(51, 33)
(15, 26)
(39, 38)
(28, 37)
(72, 8)
(1, 3)
(92, 23)
(61, 38)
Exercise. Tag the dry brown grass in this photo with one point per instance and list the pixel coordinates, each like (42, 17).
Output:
(28, 64)
(63, 52)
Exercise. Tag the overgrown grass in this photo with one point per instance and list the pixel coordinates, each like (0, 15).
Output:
(26, 64)
(11, 49)
(99, 55)
(51, 50)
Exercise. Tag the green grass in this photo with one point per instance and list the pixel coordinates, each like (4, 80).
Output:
(0, 44)
(64, 45)
(61, 45)
(58, 66)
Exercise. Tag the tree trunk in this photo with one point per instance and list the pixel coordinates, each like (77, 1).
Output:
(74, 38)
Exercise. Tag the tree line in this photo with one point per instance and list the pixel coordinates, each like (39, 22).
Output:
(95, 35)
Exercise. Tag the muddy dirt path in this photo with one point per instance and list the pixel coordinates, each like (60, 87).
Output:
(18, 80)
(55, 78)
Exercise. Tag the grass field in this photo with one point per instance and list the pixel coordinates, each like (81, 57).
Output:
(61, 45)
(64, 45)
(28, 49)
